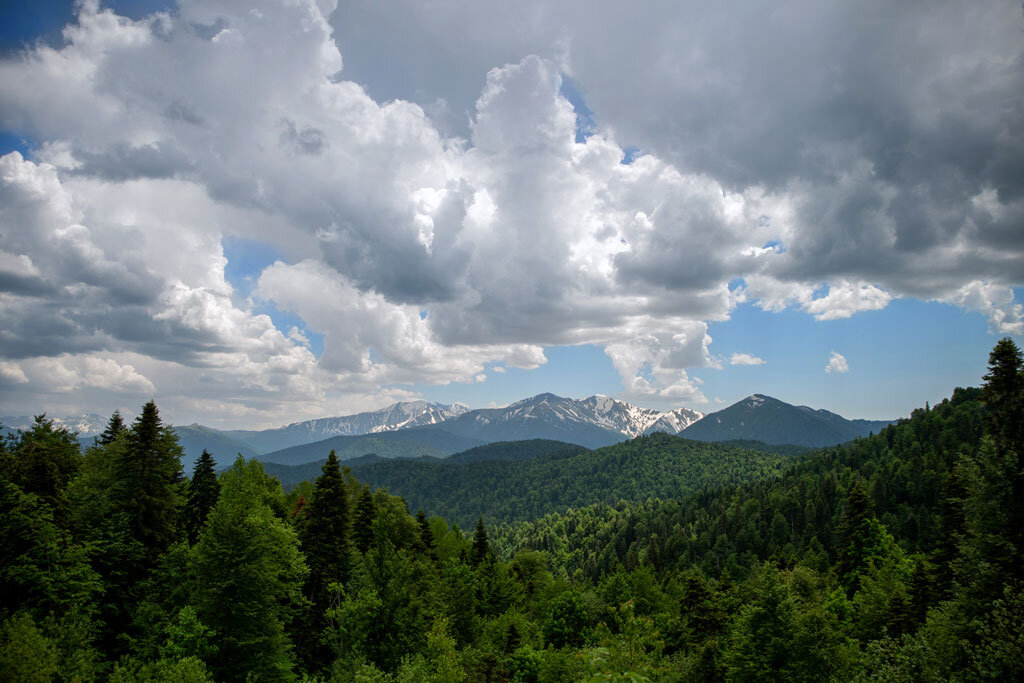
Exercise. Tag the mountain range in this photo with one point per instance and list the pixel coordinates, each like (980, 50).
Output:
(423, 428)
(402, 415)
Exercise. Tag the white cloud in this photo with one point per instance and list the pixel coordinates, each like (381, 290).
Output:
(159, 138)
(994, 302)
(745, 359)
(837, 364)
(11, 373)
(846, 298)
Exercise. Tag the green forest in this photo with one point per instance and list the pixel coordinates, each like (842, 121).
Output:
(507, 490)
(896, 557)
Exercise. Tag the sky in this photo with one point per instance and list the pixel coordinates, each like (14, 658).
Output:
(263, 212)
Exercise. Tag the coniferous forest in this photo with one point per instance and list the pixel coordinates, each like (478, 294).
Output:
(896, 557)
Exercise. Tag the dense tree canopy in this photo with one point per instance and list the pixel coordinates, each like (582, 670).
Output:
(893, 557)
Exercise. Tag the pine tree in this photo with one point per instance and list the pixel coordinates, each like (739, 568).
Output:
(362, 530)
(481, 546)
(115, 427)
(203, 491)
(147, 472)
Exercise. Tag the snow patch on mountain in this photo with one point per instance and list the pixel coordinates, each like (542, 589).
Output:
(86, 424)
(601, 411)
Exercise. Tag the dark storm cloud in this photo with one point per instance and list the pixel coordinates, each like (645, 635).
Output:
(923, 101)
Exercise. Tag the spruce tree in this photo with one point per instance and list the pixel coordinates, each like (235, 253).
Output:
(203, 491)
(362, 530)
(147, 472)
(325, 535)
(248, 573)
(115, 427)
(427, 545)
(42, 461)
(481, 546)
(1003, 394)
(855, 536)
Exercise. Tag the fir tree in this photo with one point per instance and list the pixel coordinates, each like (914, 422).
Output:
(362, 530)
(481, 546)
(147, 472)
(115, 427)
(427, 545)
(203, 491)
(1003, 394)
(248, 574)
(324, 535)
(854, 536)
(42, 461)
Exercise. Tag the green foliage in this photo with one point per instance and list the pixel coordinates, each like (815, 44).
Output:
(481, 546)
(567, 621)
(514, 450)
(147, 472)
(203, 491)
(115, 428)
(323, 527)
(248, 574)
(656, 466)
(26, 655)
(894, 558)
(42, 461)
(186, 670)
(41, 570)
(362, 528)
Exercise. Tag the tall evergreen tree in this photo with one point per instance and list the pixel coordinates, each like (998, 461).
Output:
(995, 503)
(324, 535)
(203, 491)
(248, 575)
(41, 461)
(147, 472)
(362, 531)
(855, 536)
(427, 544)
(481, 546)
(115, 428)
(1003, 394)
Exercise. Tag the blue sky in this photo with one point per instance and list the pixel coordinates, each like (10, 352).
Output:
(568, 208)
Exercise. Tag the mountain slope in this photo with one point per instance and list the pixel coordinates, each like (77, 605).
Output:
(194, 438)
(763, 418)
(403, 415)
(905, 468)
(511, 450)
(402, 443)
(87, 425)
(591, 422)
(659, 466)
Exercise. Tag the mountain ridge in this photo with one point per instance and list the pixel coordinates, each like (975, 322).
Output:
(764, 418)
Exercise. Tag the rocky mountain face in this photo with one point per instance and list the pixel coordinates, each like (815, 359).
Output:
(592, 422)
(402, 415)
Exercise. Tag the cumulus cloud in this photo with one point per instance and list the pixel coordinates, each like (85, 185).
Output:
(745, 359)
(837, 364)
(802, 174)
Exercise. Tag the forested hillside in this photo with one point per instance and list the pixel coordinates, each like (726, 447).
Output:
(894, 558)
(656, 466)
(795, 517)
